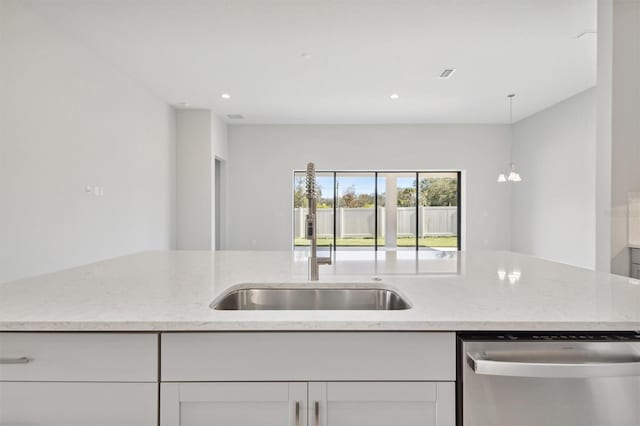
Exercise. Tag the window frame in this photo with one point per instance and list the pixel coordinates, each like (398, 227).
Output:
(375, 173)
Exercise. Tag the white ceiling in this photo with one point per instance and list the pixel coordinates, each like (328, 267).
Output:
(361, 51)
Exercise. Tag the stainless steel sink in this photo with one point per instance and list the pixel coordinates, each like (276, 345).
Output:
(332, 299)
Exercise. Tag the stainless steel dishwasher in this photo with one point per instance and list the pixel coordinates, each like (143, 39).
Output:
(552, 379)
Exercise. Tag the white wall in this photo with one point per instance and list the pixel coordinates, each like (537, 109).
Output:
(552, 209)
(68, 120)
(201, 137)
(193, 162)
(619, 128)
(263, 157)
(603, 136)
(625, 148)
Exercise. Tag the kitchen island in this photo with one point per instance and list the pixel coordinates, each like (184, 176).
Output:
(133, 340)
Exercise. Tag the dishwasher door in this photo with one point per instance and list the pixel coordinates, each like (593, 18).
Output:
(549, 383)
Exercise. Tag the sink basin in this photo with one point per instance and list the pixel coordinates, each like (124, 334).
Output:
(331, 299)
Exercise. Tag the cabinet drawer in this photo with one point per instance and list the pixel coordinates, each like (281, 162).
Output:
(635, 256)
(78, 404)
(300, 356)
(79, 357)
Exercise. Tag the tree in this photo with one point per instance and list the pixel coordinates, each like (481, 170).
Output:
(299, 194)
(433, 192)
(407, 197)
(439, 192)
(366, 200)
(349, 197)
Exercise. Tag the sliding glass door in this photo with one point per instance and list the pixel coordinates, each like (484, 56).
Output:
(382, 210)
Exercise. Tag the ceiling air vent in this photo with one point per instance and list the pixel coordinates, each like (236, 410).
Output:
(235, 116)
(447, 73)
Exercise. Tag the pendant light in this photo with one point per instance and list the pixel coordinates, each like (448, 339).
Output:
(512, 175)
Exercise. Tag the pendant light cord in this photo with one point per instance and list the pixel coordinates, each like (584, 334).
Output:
(511, 96)
(513, 175)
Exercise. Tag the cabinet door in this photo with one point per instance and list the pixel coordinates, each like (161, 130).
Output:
(382, 404)
(78, 404)
(237, 404)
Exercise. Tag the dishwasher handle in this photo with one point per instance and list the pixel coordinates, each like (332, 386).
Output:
(488, 367)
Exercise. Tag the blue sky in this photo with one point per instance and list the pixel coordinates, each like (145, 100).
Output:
(363, 185)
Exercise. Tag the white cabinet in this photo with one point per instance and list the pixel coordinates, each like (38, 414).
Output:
(382, 403)
(313, 404)
(79, 379)
(237, 404)
(227, 379)
(328, 378)
(78, 404)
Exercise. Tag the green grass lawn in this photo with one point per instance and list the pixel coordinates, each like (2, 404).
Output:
(402, 242)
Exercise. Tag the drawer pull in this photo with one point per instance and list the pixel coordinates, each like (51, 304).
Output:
(297, 413)
(21, 360)
(317, 413)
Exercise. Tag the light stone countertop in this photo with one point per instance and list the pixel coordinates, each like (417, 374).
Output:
(451, 291)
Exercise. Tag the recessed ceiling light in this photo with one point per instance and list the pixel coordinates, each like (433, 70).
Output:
(394, 96)
(448, 72)
(225, 96)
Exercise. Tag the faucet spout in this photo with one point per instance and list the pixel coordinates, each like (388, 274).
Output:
(311, 226)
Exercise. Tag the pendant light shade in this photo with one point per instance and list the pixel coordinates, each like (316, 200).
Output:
(512, 175)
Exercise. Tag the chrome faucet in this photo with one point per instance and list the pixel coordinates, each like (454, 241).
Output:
(311, 226)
